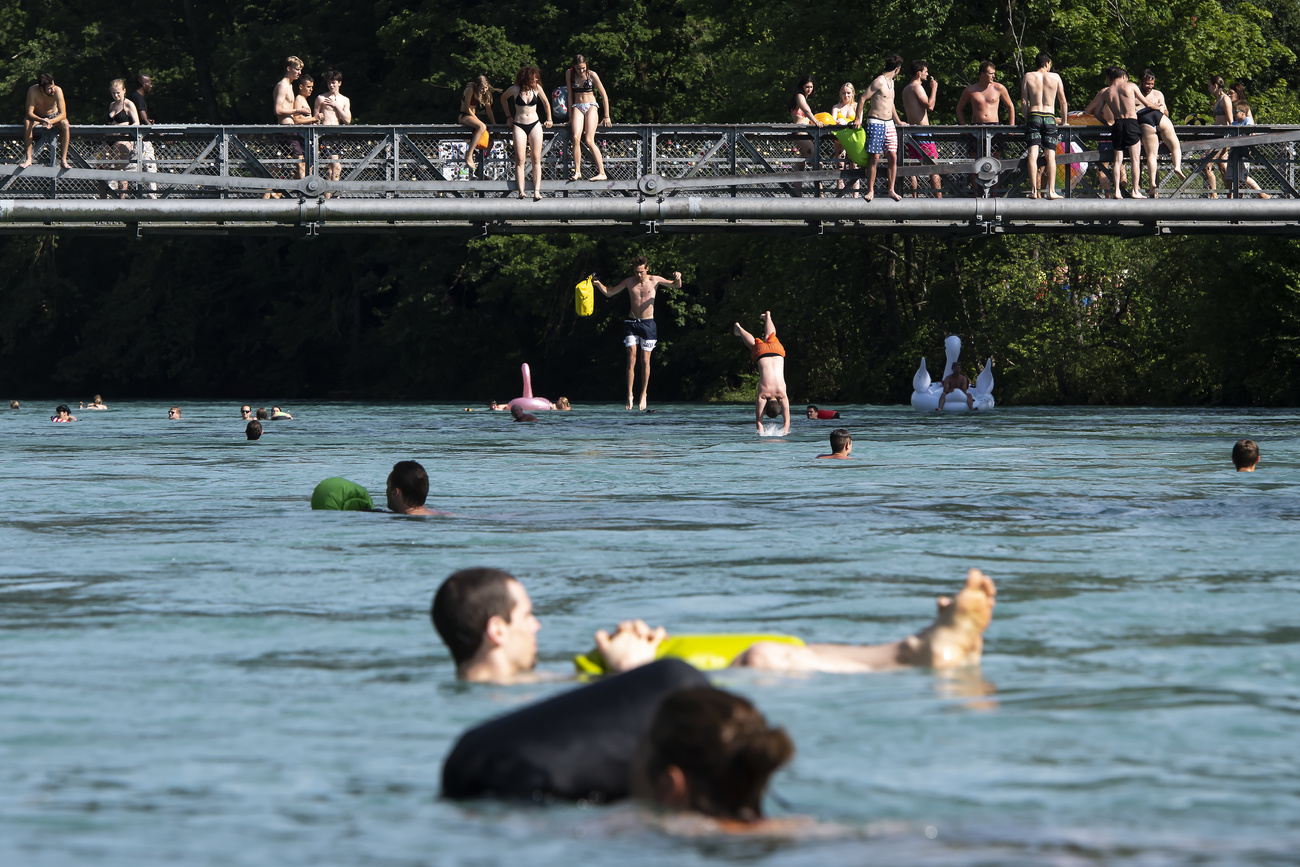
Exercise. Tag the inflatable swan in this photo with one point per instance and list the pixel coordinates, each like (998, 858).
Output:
(925, 394)
(528, 402)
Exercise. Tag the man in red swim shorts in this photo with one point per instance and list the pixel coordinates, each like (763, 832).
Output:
(918, 104)
(769, 355)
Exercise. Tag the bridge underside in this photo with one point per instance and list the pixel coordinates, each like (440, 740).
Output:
(305, 181)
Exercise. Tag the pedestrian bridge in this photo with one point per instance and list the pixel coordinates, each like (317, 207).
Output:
(176, 179)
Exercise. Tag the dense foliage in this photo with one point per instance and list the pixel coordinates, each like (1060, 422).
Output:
(1190, 320)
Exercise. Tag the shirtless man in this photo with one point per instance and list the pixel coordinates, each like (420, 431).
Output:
(986, 98)
(287, 111)
(1040, 91)
(1122, 98)
(956, 381)
(333, 109)
(917, 105)
(46, 110)
(769, 355)
(407, 489)
(640, 334)
(486, 619)
(882, 134)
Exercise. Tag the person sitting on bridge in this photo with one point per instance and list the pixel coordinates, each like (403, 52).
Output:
(47, 110)
(769, 355)
(1156, 127)
(477, 93)
(956, 381)
(882, 122)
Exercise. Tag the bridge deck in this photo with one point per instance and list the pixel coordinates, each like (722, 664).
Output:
(199, 178)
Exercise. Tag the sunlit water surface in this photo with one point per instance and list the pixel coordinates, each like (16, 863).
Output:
(197, 669)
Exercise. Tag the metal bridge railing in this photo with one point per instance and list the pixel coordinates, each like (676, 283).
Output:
(758, 161)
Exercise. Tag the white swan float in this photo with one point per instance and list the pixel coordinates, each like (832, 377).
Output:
(926, 394)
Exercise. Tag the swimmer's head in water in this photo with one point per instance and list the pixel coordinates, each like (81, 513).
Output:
(254, 430)
(712, 752)
(812, 411)
(261, 413)
(13, 404)
(562, 403)
(482, 611)
(174, 412)
(410, 479)
(840, 440)
(1245, 454)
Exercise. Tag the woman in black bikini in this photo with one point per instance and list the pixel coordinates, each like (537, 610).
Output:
(118, 148)
(477, 93)
(583, 85)
(520, 103)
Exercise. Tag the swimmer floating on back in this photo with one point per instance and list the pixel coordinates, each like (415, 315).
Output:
(769, 355)
(486, 619)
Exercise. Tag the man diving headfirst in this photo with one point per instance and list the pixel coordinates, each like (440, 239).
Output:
(769, 355)
(640, 334)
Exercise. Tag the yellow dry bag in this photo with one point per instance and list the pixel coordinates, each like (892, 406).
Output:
(585, 297)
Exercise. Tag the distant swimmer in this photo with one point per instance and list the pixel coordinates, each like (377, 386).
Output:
(486, 619)
(769, 355)
(519, 415)
(278, 414)
(62, 414)
(1040, 91)
(841, 445)
(956, 381)
(640, 334)
(246, 412)
(13, 404)
(1245, 456)
(498, 407)
(562, 403)
(408, 488)
(261, 414)
(821, 414)
(882, 125)
(254, 430)
(174, 412)
(97, 403)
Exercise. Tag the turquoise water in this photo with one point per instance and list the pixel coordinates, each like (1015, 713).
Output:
(195, 668)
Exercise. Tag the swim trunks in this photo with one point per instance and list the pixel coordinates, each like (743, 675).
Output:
(922, 145)
(768, 348)
(640, 332)
(1103, 141)
(1150, 116)
(1125, 133)
(882, 136)
(1040, 129)
(294, 144)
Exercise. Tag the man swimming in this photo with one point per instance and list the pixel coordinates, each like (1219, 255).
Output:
(486, 619)
(1245, 456)
(1040, 91)
(407, 488)
(640, 334)
(882, 122)
(517, 412)
(956, 381)
(841, 445)
(769, 355)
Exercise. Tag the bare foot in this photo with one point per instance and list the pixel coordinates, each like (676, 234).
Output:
(736, 329)
(1033, 194)
(1178, 170)
(25, 163)
(641, 406)
(520, 195)
(956, 637)
(895, 196)
(537, 195)
(473, 166)
(577, 176)
(1154, 191)
(599, 177)
(629, 402)
(1134, 194)
(868, 197)
(65, 164)
(1054, 195)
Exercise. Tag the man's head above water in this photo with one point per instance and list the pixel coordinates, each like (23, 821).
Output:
(486, 619)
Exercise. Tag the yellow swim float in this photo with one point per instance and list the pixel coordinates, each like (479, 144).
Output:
(705, 652)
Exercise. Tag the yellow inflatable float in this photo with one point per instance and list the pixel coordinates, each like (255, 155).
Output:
(705, 652)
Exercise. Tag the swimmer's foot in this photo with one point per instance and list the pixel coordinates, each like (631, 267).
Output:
(641, 405)
(25, 163)
(956, 638)
(895, 196)
(737, 330)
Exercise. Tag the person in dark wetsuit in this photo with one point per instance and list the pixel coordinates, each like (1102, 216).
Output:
(477, 93)
(520, 104)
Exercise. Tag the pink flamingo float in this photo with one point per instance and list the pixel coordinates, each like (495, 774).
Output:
(528, 402)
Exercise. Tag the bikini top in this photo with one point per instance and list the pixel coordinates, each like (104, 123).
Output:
(587, 85)
(119, 117)
(517, 103)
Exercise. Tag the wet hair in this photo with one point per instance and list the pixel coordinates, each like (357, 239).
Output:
(13, 404)
(254, 430)
(121, 81)
(411, 479)
(812, 408)
(956, 367)
(772, 408)
(261, 413)
(63, 407)
(893, 61)
(45, 79)
(292, 62)
(465, 603)
(563, 403)
(97, 399)
(638, 261)
(1042, 59)
(986, 65)
(333, 75)
(722, 745)
(840, 439)
(1120, 72)
(1245, 454)
(919, 66)
(528, 75)
(174, 409)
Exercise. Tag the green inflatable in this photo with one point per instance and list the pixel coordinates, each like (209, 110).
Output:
(854, 142)
(340, 495)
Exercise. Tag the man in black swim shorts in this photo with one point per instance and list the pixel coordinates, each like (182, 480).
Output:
(640, 334)
(1123, 98)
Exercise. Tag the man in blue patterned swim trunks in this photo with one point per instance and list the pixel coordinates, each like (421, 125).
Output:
(882, 123)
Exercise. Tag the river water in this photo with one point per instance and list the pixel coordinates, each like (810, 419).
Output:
(197, 669)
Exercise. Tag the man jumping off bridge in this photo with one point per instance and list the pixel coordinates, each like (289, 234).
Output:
(640, 333)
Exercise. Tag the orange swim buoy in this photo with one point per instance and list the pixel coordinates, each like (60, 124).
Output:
(482, 141)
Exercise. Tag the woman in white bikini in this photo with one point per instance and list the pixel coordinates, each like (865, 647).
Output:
(583, 86)
(477, 93)
(519, 103)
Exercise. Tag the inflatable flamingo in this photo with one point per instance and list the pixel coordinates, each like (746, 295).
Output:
(528, 402)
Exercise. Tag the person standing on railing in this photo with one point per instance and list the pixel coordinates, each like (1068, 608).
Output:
(519, 103)
(46, 109)
(803, 115)
(1040, 90)
(917, 105)
(333, 109)
(286, 109)
(882, 125)
(583, 86)
(1222, 117)
(477, 93)
(118, 148)
(144, 85)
